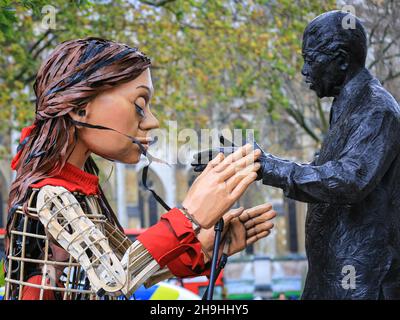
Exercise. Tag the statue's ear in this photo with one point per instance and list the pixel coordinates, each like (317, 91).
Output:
(344, 59)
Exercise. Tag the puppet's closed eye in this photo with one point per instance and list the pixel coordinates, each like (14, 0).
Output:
(139, 109)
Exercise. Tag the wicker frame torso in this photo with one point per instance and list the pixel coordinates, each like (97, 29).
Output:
(29, 254)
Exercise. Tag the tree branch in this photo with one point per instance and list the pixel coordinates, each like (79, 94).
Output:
(381, 58)
(322, 116)
(299, 118)
(156, 3)
(391, 77)
(36, 44)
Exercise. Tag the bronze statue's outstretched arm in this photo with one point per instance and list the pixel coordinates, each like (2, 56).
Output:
(368, 153)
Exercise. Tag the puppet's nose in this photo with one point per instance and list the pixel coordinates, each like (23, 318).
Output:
(149, 122)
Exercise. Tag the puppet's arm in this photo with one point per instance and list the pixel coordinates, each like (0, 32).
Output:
(64, 219)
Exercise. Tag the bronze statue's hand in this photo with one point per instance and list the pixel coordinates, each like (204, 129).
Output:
(201, 159)
(222, 183)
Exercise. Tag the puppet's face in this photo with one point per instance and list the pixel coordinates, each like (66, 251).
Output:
(324, 72)
(126, 109)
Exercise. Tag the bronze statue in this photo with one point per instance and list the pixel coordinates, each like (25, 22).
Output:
(353, 185)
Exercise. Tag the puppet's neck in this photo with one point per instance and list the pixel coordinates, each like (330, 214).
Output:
(73, 179)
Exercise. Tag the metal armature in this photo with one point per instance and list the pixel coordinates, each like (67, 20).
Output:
(101, 260)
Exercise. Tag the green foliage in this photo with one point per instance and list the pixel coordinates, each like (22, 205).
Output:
(207, 55)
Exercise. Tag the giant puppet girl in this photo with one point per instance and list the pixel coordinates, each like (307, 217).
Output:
(63, 239)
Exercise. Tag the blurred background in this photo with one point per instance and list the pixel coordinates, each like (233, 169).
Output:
(217, 64)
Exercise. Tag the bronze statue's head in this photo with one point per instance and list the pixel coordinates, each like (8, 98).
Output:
(333, 50)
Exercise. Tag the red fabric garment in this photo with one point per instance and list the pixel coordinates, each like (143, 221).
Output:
(171, 241)
(182, 252)
(31, 293)
(25, 132)
(73, 179)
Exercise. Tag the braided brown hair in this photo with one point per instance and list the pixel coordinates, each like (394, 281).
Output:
(74, 73)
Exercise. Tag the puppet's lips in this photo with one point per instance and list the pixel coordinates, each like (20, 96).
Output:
(145, 142)
(145, 145)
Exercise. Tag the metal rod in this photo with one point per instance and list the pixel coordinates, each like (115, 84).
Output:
(213, 275)
(221, 265)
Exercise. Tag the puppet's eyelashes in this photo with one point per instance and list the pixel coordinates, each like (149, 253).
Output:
(139, 110)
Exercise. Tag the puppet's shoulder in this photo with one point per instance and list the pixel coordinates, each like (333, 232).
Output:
(56, 201)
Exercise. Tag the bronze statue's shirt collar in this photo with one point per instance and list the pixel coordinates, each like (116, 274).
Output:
(349, 95)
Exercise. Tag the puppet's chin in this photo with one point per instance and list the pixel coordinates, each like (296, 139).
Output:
(133, 157)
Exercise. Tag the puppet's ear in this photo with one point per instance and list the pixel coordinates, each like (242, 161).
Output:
(79, 114)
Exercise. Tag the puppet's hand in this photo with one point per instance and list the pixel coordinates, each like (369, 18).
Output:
(241, 228)
(252, 225)
(201, 159)
(206, 236)
(220, 185)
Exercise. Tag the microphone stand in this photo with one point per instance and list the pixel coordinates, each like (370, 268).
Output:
(215, 269)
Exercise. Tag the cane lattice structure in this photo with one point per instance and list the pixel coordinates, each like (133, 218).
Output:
(77, 252)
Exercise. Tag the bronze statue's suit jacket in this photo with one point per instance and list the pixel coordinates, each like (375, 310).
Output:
(353, 191)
